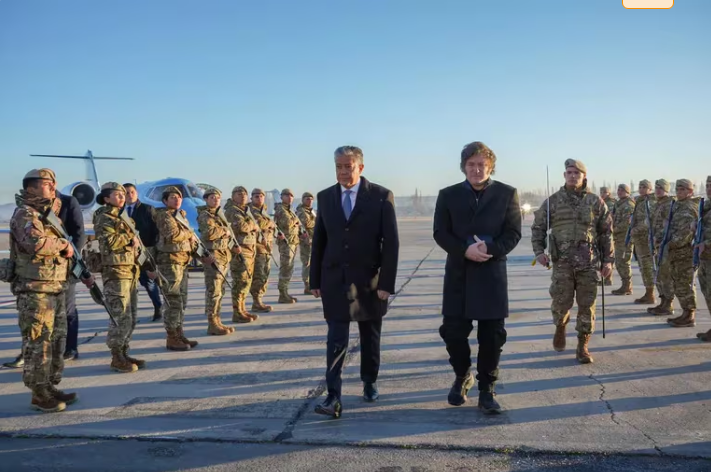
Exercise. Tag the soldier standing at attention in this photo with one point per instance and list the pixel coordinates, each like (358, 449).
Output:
(705, 256)
(118, 246)
(573, 253)
(640, 239)
(307, 218)
(665, 285)
(263, 255)
(624, 207)
(216, 237)
(610, 202)
(245, 229)
(287, 224)
(681, 253)
(39, 282)
(174, 251)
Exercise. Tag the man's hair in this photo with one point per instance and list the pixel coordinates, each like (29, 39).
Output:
(126, 186)
(475, 149)
(353, 151)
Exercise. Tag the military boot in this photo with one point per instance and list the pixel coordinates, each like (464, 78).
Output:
(185, 340)
(559, 338)
(625, 289)
(705, 337)
(647, 298)
(458, 393)
(582, 354)
(239, 314)
(663, 309)
(214, 328)
(686, 320)
(258, 306)
(43, 401)
(173, 341)
(67, 398)
(243, 307)
(307, 290)
(140, 363)
(120, 364)
(218, 320)
(284, 297)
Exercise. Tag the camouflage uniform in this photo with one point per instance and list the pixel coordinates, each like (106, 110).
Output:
(119, 273)
(288, 223)
(216, 237)
(622, 214)
(307, 217)
(581, 227)
(665, 284)
(242, 268)
(704, 274)
(680, 254)
(173, 254)
(640, 239)
(262, 258)
(40, 279)
(610, 202)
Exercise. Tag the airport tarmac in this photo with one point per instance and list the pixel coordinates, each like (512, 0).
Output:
(645, 401)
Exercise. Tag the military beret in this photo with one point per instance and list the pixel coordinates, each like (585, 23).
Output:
(662, 183)
(307, 195)
(287, 191)
(258, 191)
(239, 188)
(604, 189)
(624, 187)
(44, 174)
(172, 189)
(113, 186)
(645, 183)
(684, 183)
(577, 164)
(211, 191)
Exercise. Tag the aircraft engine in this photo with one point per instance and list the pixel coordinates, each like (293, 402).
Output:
(84, 192)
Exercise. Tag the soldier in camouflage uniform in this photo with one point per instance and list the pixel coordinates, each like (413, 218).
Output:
(263, 256)
(680, 253)
(705, 256)
(216, 236)
(574, 249)
(640, 239)
(39, 282)
(174, 250)
(610, 202)
(665, 285)
(307, 218)
(287, 224)
(118, 247)
(622, 214)
(246, 230)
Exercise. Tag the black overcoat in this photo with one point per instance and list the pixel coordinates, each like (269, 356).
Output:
(351, 260)
(477, 290)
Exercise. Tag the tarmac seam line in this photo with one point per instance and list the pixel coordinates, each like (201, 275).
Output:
(314, 393)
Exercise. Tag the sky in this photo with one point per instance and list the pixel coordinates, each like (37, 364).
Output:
(259, 94)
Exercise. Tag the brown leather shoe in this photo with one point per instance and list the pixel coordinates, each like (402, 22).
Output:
(705, 337)
(559, 338)
(582, 354)
(647, 298)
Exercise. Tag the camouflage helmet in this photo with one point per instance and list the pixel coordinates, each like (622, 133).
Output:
(211, 191)
(258, 191)
(240, 189)
(43, 174)
(624, 187)
(645, 183)
(287, 191)
(663, 184)
(106, 190)
(685, 183)
(171, 190)
(307, 195)
(604, 189)
(577, 164)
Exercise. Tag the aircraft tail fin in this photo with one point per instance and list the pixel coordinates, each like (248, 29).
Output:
(89, 157)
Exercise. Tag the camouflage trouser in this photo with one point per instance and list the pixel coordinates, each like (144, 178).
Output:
(122, 299)
(287, 253)
(305, 252)
(262, 268)
(665, 283)
(623, 260)
(43, 323)
(214, 289)
(176, 292)
(568, 283)
(682, 273)
(705, 281)
(644, 259)
(241, 275)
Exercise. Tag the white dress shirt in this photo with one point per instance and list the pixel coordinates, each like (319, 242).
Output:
(353, 195)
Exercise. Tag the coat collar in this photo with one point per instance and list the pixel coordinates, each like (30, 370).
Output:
(478, 201)
(362, 198)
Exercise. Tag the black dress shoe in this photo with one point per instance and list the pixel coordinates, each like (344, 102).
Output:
(488, 404)
(458, 393)
(157, 314)
(370, 391)
(331, 406)
(71, 355)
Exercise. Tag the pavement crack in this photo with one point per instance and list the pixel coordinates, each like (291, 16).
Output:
(314, 393)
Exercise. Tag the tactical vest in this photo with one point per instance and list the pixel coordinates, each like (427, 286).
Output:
(124, 256)
(573, 228)
(172, 247)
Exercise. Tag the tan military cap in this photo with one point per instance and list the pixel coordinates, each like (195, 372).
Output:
(645, 183)
(577, 164)
(307, 195)
(662, 183)
(624, 187)
(684, 183)
(113, 186)
(172, 189)
(287, 191)
(604, 189)
(258, 191)
(44, 174)
(239, 189)
(211, 191)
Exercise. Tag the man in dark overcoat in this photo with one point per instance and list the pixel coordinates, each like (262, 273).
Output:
(354, 261)
(477, 222)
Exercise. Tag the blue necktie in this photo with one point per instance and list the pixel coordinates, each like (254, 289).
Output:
(347, 206)
(130, 211)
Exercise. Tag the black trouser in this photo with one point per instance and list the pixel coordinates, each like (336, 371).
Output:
(72, 317)
(336, 348)
(491, 336)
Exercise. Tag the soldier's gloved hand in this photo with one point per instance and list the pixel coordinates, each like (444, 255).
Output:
(281, 237)
(237, 250)
(88, 282)
(68, 252)
(606, 270)
(543, 259)
(208, 260)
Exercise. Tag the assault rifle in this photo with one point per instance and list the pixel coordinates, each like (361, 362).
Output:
(665, 240)
(650, 235)
(202, 251)
(261, 237)
(78, 269)
(233, 239)
(699, 235)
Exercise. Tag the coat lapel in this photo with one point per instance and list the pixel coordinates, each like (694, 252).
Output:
(361, 199)
(478, 204)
